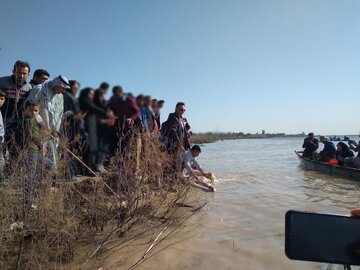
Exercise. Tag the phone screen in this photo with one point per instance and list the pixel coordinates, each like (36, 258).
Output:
(322, 238)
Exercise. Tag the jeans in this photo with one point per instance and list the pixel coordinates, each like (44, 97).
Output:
(37, 157)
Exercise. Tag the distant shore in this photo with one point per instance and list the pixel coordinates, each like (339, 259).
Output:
(209, 137)
(199, 138)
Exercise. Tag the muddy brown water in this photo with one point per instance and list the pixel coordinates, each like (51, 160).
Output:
(242, 226)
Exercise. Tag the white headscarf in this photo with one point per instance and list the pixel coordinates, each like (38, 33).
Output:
(58, 81)
(49, 85)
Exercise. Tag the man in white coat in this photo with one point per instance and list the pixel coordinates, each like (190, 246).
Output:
(49, 96)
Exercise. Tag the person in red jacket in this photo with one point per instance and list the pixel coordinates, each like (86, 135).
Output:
(127, 112)
(124, 108)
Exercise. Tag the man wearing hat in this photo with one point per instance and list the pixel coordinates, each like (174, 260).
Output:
(328, 152)
(49, 96)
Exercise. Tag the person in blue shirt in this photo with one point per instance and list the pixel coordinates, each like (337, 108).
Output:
(328, 152)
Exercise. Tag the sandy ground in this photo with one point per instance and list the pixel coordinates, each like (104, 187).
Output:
(139, 244)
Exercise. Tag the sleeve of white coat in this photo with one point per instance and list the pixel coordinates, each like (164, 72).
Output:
(59, 112)
(35, 94)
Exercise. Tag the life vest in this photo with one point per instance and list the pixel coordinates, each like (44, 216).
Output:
(332, 162)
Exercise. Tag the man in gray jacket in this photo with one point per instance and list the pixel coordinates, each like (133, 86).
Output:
(17, 90)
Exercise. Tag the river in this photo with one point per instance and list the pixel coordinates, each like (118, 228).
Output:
(242, 226)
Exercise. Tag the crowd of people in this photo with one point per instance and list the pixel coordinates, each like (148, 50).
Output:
(38, 116)
(342, 154)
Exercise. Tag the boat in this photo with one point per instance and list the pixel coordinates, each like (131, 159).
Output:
(333, 170)
(338, 139)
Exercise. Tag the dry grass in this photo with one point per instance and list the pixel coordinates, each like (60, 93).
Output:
(44, 218)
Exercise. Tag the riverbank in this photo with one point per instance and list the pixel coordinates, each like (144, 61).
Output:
(90, 223)
(50, 222)
(142, 241)
(209, 137)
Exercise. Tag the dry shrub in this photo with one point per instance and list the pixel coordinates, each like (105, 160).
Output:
(44, 217)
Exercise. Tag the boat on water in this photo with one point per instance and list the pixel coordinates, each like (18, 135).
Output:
(330, 169)
(338, 139)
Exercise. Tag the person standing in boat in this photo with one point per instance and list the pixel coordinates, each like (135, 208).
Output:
(310, 145)
(328, 152)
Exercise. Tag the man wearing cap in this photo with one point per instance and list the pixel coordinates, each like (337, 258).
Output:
(49, 96)
(329, 151)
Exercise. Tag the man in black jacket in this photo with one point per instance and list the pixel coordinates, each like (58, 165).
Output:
(310, 145)
(174, 131)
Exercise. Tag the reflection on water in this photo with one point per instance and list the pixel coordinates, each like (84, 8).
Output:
(336, 192)
(242, 226)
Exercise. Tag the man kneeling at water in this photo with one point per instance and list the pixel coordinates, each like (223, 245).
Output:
(193, 168)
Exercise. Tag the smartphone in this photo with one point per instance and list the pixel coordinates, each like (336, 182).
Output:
(322, 238)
